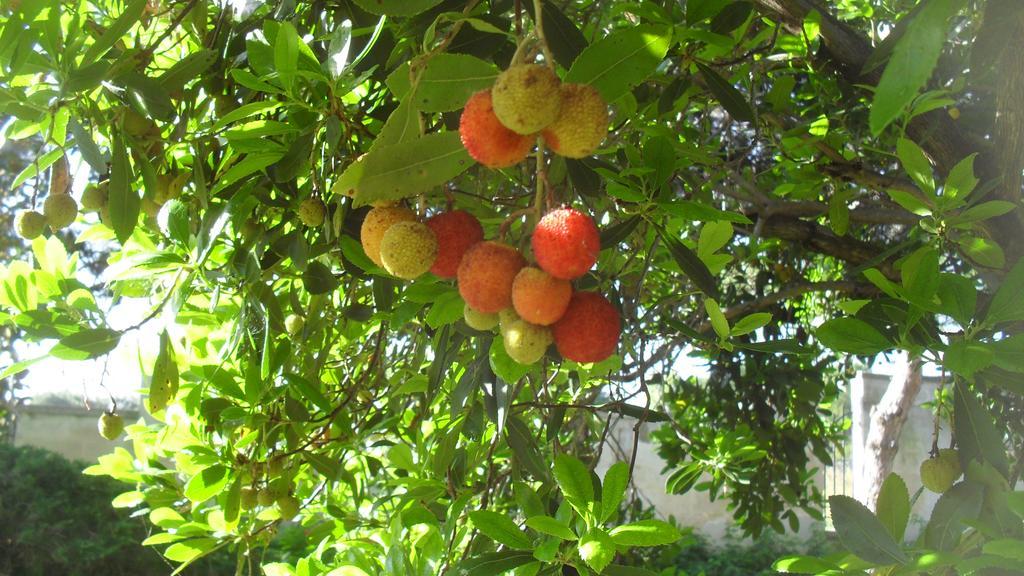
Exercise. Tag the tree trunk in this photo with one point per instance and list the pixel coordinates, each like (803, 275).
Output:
(887, 419)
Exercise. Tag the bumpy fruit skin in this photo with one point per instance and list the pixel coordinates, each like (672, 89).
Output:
(294, 324)
(288, 506)
(266, 497)
(110, 425)
(527, 98)
(486, 139)
(486, 273)
(566, 243)
(506, 317)
(312, 212)
(376, 223)
(479, 320)
(248, 498)
(538, 297)
(525, 342)
(94, 197)
(456, 232)
(60, 211)
(589, 330)
(408, 249)
(30, 224)
(940, 473)
(581, 126)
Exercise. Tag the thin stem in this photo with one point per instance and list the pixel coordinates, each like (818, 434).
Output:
(538, 29)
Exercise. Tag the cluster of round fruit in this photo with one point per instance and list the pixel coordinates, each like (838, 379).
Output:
(279, 488)
(59, 211)
(532, 306)
(499, 126)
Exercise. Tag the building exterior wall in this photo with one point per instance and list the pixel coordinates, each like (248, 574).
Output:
(70, 431)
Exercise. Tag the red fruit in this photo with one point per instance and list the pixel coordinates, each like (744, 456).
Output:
(538, 297)
(589, 330)
(456, 232)
(486, 139)
(565, 243)
(486, 274)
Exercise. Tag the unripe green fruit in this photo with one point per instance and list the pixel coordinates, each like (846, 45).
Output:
(30, 224)
(527, 98)
(479, 320)
(506, 317)
(275, 466)
(110, 425)
(312, 212)
(288, 506)
(150, 207)
(265, 497)
(408, 249)
(294, 324)
(104, 213)
(248, 498)
(525, 342)
(94, 197)
(60, 211)
(940, 473)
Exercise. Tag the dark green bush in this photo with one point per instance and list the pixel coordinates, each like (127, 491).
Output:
(55, 521)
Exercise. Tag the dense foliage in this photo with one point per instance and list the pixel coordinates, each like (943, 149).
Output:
(786, 185)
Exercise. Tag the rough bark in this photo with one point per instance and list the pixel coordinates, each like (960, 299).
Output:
(887, 419)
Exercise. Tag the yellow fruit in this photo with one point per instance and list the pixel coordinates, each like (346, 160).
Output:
(408, 249)
(527, 98)
(294, 324)
(168, 186)
(940, 473)
(582, 125)
(110, 425)
(377, 223)
(479, 320)
(60, 211)
(94, 197)
(249, 498)
(288, 506)
(312, 212)
(525, 342)
(30, 224)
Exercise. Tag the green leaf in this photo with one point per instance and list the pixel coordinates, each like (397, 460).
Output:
(405, 169)
(613, 489)
(186, 69)
(494, 563)
(691, 265)
(958, 297)
(713, 236)
(802, 565)
(957, 505)
(445, 84)
(912, 62)
(116, 31)
(564, 38)
(1006, 304)
(189, 549)
(920, 276)
(447, 309)
(1011, 548)
(318, 278)
(749, 323)
(910, 202)
(976, 432)
(551, 527)
(207, 483)
(961, 181)
(983, 211)
(621, 60)
(916, 164)
(163, 385)
(597, 549)
(645, 533)
(396, 7)
(87, 147)
(718, 319)
(286, 53)
(983, 251)
(86, 344)
(503, 365)
(402, 125)
(852, 336)
(727, 95)
(862, 533)
(894, 506)
(524, 447)
(501, 528)
(966, 357)
(573, 478)
(123, 200)
(616, 570)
